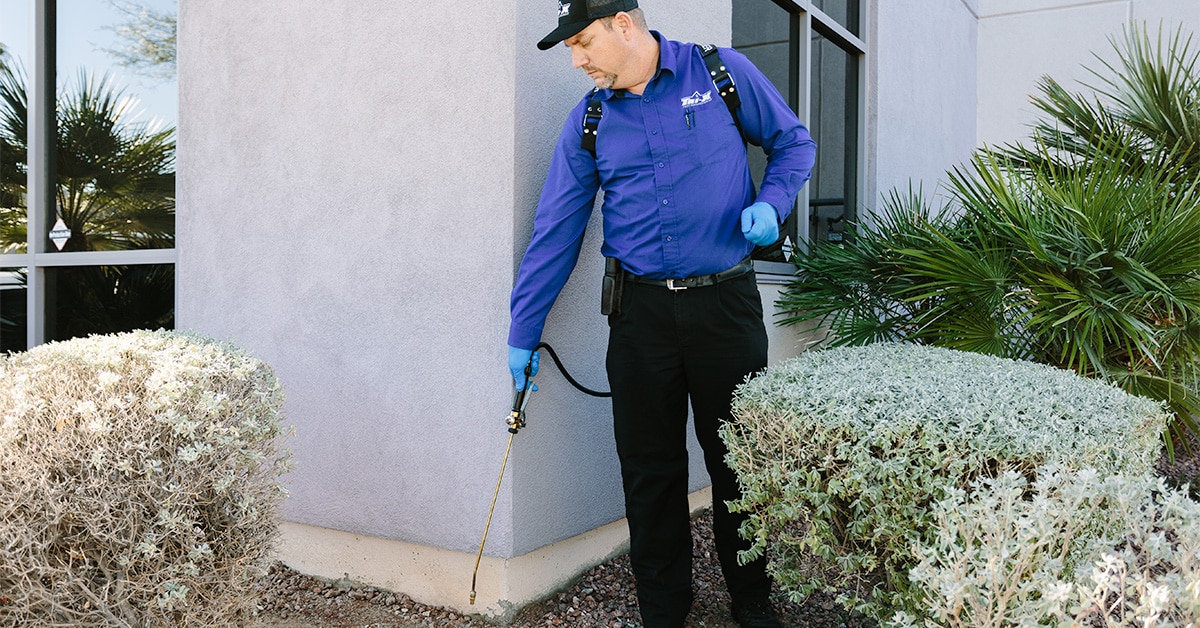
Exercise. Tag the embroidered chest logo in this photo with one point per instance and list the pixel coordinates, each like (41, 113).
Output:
(697, 99)
(564, 8)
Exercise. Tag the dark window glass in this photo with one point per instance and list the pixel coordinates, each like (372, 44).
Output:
(115, 150)
(12, 310)
(844, 12)
(834, 108)
(84, 300)
(762, 31)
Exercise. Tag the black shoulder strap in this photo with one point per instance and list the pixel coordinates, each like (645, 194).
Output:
(591, 122)
(721, 79)
(724, 83)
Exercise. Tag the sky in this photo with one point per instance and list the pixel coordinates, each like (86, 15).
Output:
(84, 29)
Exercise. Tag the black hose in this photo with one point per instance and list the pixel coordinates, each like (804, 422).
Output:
(583, 389)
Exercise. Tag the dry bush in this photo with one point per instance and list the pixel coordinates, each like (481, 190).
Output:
(139, 481)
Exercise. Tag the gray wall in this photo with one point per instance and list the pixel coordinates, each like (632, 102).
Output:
(346, 213)
(1022, 40)
(921, 113)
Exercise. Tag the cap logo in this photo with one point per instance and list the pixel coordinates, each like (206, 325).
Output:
(575, 15)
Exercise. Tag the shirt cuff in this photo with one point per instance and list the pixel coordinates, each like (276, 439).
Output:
(523, 337)
(782, 207)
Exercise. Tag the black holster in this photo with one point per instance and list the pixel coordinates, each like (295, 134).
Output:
(614, 284)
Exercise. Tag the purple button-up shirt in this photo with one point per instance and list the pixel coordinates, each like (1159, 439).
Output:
(675, 178)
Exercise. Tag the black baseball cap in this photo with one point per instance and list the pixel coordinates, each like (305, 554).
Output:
(573, 16)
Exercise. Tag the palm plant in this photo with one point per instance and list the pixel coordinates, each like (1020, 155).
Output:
(115, 172)
(116, 176)
(13, 131)
(1146, 107)
(1080, 249)
(115, 191)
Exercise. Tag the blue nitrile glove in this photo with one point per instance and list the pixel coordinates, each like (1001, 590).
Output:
(517, 360)
(760, 224)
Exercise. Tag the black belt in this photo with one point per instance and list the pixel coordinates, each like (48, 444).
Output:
(701, 281)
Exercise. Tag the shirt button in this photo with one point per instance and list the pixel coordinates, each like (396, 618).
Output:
(654, 133)
(660, 164)
(646, 99)
(668, 238)
(665, 201)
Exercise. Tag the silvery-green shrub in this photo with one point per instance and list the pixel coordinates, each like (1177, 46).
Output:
(139, 481)
(842, 452)
(1072, 548)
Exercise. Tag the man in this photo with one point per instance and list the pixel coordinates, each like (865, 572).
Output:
(681, 215)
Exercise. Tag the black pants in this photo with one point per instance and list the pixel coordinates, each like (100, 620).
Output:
(666, 347)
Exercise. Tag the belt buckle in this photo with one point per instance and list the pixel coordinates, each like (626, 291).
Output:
(674, 288)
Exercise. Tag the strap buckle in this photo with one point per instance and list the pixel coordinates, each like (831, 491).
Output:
(671, 285)
(591, 123)
(724, 82)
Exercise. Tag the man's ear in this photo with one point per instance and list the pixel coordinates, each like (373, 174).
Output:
(624, 22)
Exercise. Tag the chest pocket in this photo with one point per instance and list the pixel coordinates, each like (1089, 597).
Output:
(709, 131)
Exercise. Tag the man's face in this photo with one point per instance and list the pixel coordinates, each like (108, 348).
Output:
(600, 51)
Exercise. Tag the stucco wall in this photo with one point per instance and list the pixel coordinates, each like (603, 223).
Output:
(345, 213)
(1022, 40)
(921, 106)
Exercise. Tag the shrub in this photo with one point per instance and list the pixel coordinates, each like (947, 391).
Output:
(841, 453)
(1073, 548)
(1078, 250)
(138, 481)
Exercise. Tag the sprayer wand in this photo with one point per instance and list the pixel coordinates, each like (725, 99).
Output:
(516, 421)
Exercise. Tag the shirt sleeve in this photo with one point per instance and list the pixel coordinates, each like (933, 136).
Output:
(558, 227)
(769, 122)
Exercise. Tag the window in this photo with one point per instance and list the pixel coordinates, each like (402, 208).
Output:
(87, 168)
(12, 309)
(813, 53)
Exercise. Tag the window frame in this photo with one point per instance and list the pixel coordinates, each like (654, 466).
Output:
(807, 19)
(41, 185)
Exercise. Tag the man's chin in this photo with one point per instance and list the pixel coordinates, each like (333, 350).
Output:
(604, 82)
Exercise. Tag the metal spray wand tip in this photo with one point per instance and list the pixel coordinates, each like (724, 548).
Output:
(516, 421)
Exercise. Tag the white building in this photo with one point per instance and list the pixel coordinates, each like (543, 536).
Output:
(356, 185)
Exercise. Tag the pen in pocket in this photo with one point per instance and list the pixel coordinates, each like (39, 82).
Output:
(689, 117)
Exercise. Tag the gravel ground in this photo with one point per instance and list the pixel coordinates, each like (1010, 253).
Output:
(601, 597)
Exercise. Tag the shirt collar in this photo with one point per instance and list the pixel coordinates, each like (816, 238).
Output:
(668, 61)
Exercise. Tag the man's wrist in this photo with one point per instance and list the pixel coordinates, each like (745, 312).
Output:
(775, 204)
(522, 338)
